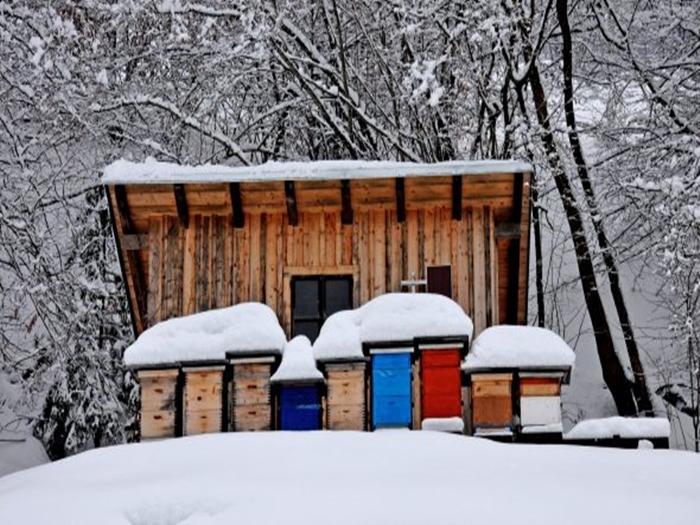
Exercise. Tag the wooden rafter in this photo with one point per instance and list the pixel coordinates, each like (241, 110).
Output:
(128, 259)
(457, 197)
(234, 190)
(290, 198)
(181, 204)
(346, 202)
(400, 199)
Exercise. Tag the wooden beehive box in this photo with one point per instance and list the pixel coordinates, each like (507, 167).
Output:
(159, 401)
(492, 401)
(540, 400)
(441, 376)
(203, 399)
(250, 400)
(346, 399)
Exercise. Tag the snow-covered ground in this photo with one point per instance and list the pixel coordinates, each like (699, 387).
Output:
(386, 477)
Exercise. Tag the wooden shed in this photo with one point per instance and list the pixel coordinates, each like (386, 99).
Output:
(298, 386)
(514, 376)
(309, 239)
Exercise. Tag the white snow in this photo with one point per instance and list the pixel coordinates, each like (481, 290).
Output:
(443, 424)
(524, 347)
(550, 428)
(298, 362)
(624, 427)
(346, 478)
(245, 327)
(154, 172)
(390, 317)
(18, 453)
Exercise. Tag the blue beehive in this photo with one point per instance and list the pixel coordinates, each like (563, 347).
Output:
(298, 385)
(391, 390)
(299, 407)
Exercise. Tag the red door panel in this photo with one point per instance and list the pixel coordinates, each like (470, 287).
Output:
(441, 384)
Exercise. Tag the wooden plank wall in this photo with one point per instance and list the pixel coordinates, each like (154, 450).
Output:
(211, 264)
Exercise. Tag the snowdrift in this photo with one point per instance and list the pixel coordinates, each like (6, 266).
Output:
(355, 478)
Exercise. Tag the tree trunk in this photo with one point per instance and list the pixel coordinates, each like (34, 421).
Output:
(613, 371)
(641, 391)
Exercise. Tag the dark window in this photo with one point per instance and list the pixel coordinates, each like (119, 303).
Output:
(440, 280)
(314, 298)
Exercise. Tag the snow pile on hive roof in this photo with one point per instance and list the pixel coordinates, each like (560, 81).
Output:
(625, 427)
(154, 172)
(525, 347)
(298, 362)
(390, 317)
(205, 336)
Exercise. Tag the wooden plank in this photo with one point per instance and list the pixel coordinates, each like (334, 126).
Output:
(413, 264)
(189, 270)
(234, 190)
(134, 241)
(273, 226)
(157, 424)
(252, 418)
(494, 282)
(479, 272)
(202, 422)
(251, 391)
(395, 259)
(291, 202)
(363, 262)
(346, 417)
(346, 391)
(524, 250)
(257, 261)
(378, 256)
(155, 237)
(417, 415)
(429, 238)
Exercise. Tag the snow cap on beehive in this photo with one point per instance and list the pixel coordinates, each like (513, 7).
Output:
(298, 363)
(521, 347)
(208, 336)
(390, 317)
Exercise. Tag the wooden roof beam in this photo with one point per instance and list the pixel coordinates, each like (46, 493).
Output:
(181, 205)
(123, 209)
(457, 197)
(234, 190)
(400, 199)
(346, 202)
(290, 198)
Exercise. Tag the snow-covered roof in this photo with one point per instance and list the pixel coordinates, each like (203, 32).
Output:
(298, 362)
(624, 427)
(155, 172)
(390, 317)
(523, 347)
(206, 336)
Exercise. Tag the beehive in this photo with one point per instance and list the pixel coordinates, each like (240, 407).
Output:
(159, 395)
(250, 399)
(441, 379)
(492, 401)
(203, 399)
(346, 399)
(540, 400)
(392, 395)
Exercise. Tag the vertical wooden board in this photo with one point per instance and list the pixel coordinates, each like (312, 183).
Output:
(347, 234)
(363, 262)
(429, 238)
(271, 261)
(479, 273)
(524, 251)
(202, 266)
(395, 253)
(495, 310)
(242, 252)
(444, 234)
(378, 259)
(322, 239)
(329, 241)
(219, 294)
(470, 259)
(412, 238)
(280, 250)
(255, 256)
(416, 385)
(189, 286)
(454, 261)
(228, 261)
(154, 267)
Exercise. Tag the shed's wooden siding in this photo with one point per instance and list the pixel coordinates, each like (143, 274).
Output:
(210, 263)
